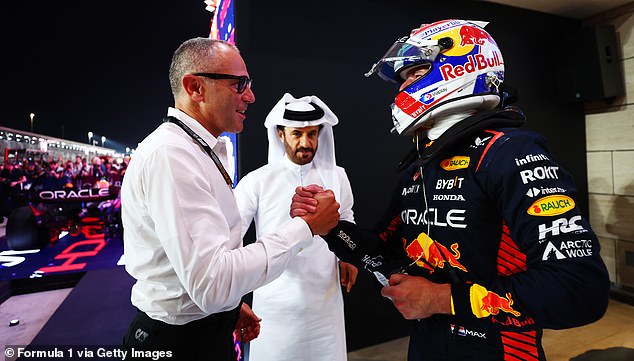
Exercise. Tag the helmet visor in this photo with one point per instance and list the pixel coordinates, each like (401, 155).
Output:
(404, 53)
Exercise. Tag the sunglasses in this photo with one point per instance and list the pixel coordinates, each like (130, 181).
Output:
(243, 80)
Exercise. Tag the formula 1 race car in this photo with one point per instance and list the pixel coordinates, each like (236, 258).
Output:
(51, 214)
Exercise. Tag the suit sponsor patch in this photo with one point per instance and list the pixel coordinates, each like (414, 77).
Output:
(551, 206)
(454, 163)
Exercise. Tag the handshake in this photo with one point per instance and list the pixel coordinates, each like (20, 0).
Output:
(317, 207)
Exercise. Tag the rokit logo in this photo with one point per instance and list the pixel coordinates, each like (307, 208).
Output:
(539, 173)
(559, 226)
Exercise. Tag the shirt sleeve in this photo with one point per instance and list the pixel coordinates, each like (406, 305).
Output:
(347, 199)
(247, 200)
(203, 249)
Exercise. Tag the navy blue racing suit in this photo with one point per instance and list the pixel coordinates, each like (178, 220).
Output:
(495, 216)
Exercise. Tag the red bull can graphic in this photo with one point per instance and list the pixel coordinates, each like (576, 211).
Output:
(485, 303)
(430, 254)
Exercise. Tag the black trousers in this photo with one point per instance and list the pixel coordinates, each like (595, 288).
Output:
(210, 338)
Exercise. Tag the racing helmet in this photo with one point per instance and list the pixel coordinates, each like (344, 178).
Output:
(465, 71)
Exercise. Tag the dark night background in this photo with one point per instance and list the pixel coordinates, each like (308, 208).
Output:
(92, 66)
(102, 66)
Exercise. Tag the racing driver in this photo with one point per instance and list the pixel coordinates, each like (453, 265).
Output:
(483, 243)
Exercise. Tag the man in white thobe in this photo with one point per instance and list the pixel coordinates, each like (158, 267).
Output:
(301, 311)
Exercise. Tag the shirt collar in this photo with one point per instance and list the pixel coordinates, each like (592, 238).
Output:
(194, 125)
(296, 167)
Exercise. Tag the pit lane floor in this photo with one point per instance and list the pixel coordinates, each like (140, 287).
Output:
(611, 338)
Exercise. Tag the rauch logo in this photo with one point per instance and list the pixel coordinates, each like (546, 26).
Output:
(453, 163)
(551, 206)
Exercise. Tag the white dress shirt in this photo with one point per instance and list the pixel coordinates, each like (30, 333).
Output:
(302, 310)
(182, 230)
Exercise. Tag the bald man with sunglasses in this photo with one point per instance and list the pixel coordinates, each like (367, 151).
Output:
(182, 228)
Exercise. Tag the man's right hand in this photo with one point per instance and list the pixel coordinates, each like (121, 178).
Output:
(416, 297)
(317, 207)
(304, 201)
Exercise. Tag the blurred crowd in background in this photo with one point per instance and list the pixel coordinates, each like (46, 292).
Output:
(21, 179)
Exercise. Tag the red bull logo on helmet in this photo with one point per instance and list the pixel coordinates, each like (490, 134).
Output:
(430, 254)
(477, 62)
(470, 35)
(485, 303)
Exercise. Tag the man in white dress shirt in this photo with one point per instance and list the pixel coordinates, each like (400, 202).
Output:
(302, 310)
(182, 229)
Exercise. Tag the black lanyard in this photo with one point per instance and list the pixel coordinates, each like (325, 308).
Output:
(203, 144)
